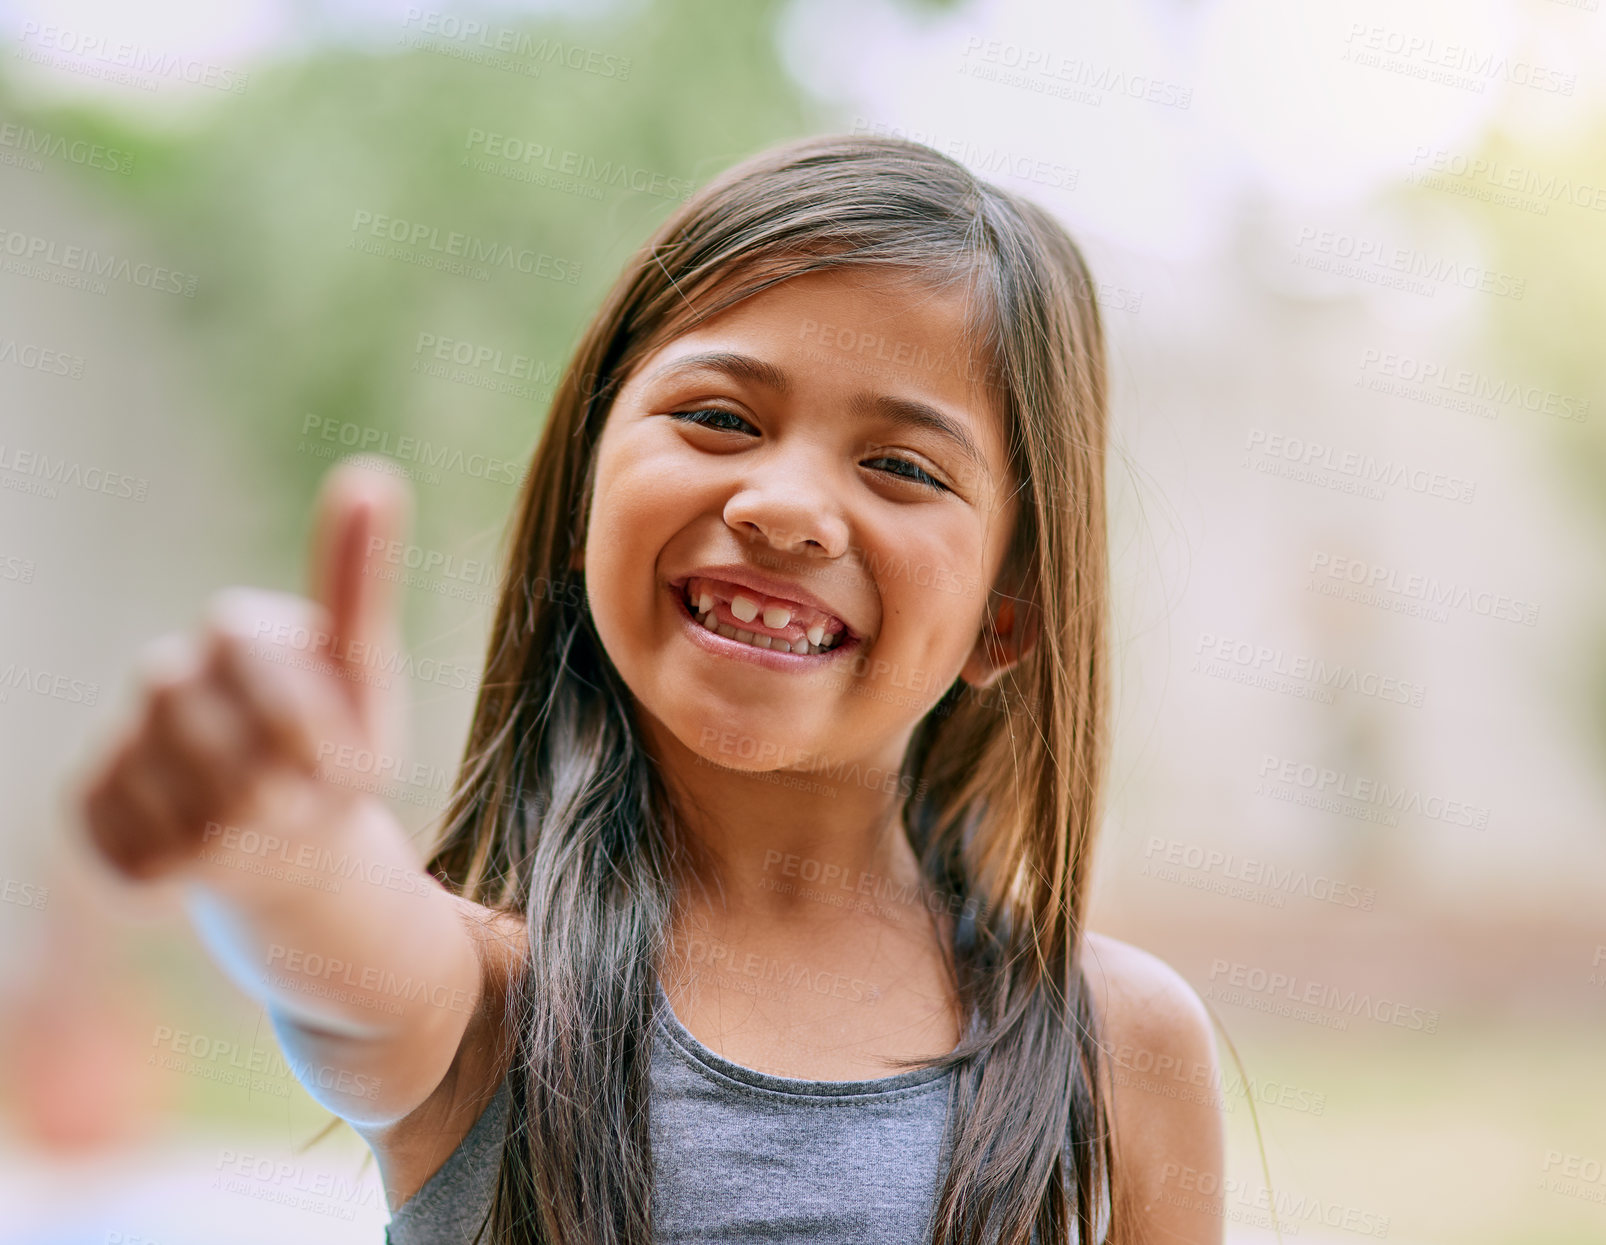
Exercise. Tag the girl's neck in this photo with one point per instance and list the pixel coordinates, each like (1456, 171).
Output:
(804, 940)
(779, 846)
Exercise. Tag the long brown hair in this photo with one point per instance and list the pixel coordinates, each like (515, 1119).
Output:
(559, 815)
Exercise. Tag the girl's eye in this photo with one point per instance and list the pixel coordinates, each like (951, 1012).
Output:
(721, 420)
(914, 473)
(710, 417)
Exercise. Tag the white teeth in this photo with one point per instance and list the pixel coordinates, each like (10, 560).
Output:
(763, 641)
(812, 642)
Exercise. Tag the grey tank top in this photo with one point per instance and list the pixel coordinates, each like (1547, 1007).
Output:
(741, 1156)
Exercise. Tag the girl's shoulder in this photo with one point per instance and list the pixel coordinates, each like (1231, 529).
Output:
(1163, 1081)
(1141, 997)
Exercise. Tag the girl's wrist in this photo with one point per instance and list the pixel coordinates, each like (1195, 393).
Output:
(294, 910)
(313, 842)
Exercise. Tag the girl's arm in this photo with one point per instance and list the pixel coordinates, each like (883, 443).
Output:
(368, 967)
(1164, 1079)
(244, 777)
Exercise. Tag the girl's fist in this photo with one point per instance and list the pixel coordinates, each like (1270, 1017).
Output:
(234, 724)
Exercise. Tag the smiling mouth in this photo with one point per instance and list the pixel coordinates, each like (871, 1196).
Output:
(761, 622)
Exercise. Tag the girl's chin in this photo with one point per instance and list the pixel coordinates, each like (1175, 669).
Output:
(753, 744)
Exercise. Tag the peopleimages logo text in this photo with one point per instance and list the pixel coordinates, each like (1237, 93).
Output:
(1228, 976)
(465, 246)
(1425, 588)
(1338, 784)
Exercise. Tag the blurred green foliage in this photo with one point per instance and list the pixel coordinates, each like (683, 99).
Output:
(261, 194)
(1552, 338)
(1552, 335)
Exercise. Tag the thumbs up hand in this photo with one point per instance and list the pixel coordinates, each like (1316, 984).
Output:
(244, 724)
(359, 512)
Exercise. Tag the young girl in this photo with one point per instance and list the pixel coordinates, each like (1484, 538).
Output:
(760, 908)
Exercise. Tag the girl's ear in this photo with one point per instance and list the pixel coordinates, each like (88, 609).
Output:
(1008, 634)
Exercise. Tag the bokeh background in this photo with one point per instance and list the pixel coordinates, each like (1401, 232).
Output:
(1353, 261)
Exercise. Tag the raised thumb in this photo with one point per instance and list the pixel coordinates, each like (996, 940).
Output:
(361, 513)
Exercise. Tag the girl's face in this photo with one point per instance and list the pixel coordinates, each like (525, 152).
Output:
(816, 469)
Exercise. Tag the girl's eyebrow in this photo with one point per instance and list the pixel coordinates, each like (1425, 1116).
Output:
(912, 413)
(739, 366)
(905, 412)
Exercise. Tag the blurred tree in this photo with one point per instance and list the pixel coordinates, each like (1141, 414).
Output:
(555, 144)
(1543, 208)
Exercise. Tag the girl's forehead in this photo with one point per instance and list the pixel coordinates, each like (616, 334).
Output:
(864, 294)
(854, 328)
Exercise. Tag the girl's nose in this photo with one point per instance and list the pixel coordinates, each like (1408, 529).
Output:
(781, 507)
